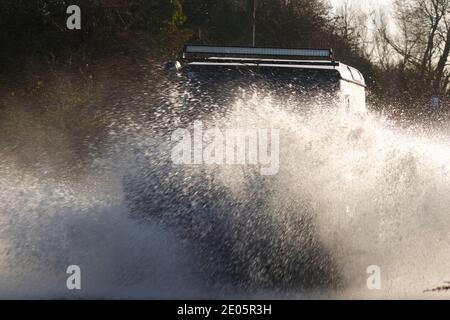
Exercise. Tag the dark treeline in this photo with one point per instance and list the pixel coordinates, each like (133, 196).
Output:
(39, 27)
(35, 32)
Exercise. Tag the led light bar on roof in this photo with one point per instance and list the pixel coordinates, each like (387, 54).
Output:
(251, 51)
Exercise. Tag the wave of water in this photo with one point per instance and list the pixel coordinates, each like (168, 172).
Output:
(352, 191)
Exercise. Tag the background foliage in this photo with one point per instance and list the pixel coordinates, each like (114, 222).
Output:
(405, 67)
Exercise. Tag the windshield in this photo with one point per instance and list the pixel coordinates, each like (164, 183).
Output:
(226, 80)
(216, 87)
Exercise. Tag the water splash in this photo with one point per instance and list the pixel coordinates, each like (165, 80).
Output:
(352, 191)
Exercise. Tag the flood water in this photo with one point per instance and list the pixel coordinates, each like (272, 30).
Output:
(352, 191)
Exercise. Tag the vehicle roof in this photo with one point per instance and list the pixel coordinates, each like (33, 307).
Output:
(346, 72)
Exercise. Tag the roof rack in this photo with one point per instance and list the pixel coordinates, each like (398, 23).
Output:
(192, 52)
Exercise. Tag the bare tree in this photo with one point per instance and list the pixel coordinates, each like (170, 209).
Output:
(422, 40)
(383, 53)
(351, 24)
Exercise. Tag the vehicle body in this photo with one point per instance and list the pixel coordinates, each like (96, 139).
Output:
(238, 239)
(304, 70)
